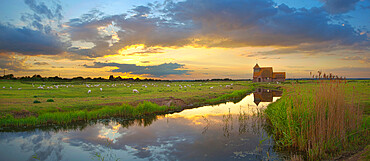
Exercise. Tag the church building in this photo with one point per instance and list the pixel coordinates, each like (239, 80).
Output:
(266, 74)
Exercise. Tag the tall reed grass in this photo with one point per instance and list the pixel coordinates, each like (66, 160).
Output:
(320, 119)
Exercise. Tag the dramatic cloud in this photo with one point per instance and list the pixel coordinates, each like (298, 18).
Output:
(208, 23)
(41, 63)
(12, 62)
(29, 42)
(161, 70)
(339, 6)
(42, 9)
(147, 51)
(199, 23)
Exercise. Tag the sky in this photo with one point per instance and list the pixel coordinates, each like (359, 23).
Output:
(184, 39)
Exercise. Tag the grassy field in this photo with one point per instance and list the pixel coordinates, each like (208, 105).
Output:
(323, 119)
(32, 103)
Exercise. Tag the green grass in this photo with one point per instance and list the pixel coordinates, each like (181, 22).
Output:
(321, 118)
(125, 110)
(64, 105)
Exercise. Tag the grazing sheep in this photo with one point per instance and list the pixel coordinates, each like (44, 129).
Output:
(135, 91)
(19, 88)
(210, 87)
(10, 87)
(101, 89)
(168, 85)
(227, 86)
(89, 91)
(3, 86)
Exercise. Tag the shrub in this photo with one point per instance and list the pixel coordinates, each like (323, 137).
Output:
(36, 101)
(50, 100)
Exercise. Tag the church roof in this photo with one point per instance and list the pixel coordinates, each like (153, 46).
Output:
(256, 66)
(278, 75)
(264, 72)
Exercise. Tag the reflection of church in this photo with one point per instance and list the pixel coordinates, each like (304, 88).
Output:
(265, 95)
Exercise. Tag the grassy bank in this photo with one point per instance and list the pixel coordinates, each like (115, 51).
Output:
(125, 110)
(321, 118)
(20, 109)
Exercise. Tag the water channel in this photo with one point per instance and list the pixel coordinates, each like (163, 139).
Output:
(228, 131)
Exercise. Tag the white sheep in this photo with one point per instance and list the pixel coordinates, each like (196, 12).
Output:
(227, 86)
(3, 86)
(210, 87)
(101, 89)
(10, 87)
(19, 88)
(135, 91)
(168, 85)
(89, 91)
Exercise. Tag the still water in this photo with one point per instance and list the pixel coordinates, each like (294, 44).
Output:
(228, 131)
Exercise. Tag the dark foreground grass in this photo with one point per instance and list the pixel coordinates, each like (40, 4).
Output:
(322, 119)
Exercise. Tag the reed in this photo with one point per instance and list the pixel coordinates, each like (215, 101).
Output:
(321, 119)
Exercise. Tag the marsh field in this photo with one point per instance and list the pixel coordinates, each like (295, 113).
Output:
(311, 120)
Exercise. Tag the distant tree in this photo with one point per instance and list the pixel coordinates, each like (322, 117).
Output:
(9, 76)
(111, 78)
(78, 78)
(118, 78)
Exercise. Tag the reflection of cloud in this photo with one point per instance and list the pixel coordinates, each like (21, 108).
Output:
(44, 145)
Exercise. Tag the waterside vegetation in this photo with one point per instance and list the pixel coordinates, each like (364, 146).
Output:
(322, 118)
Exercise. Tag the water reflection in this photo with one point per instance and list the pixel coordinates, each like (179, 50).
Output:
(227, 131)
(265, 95)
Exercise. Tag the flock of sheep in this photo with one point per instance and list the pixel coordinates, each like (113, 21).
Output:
(115, 85)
